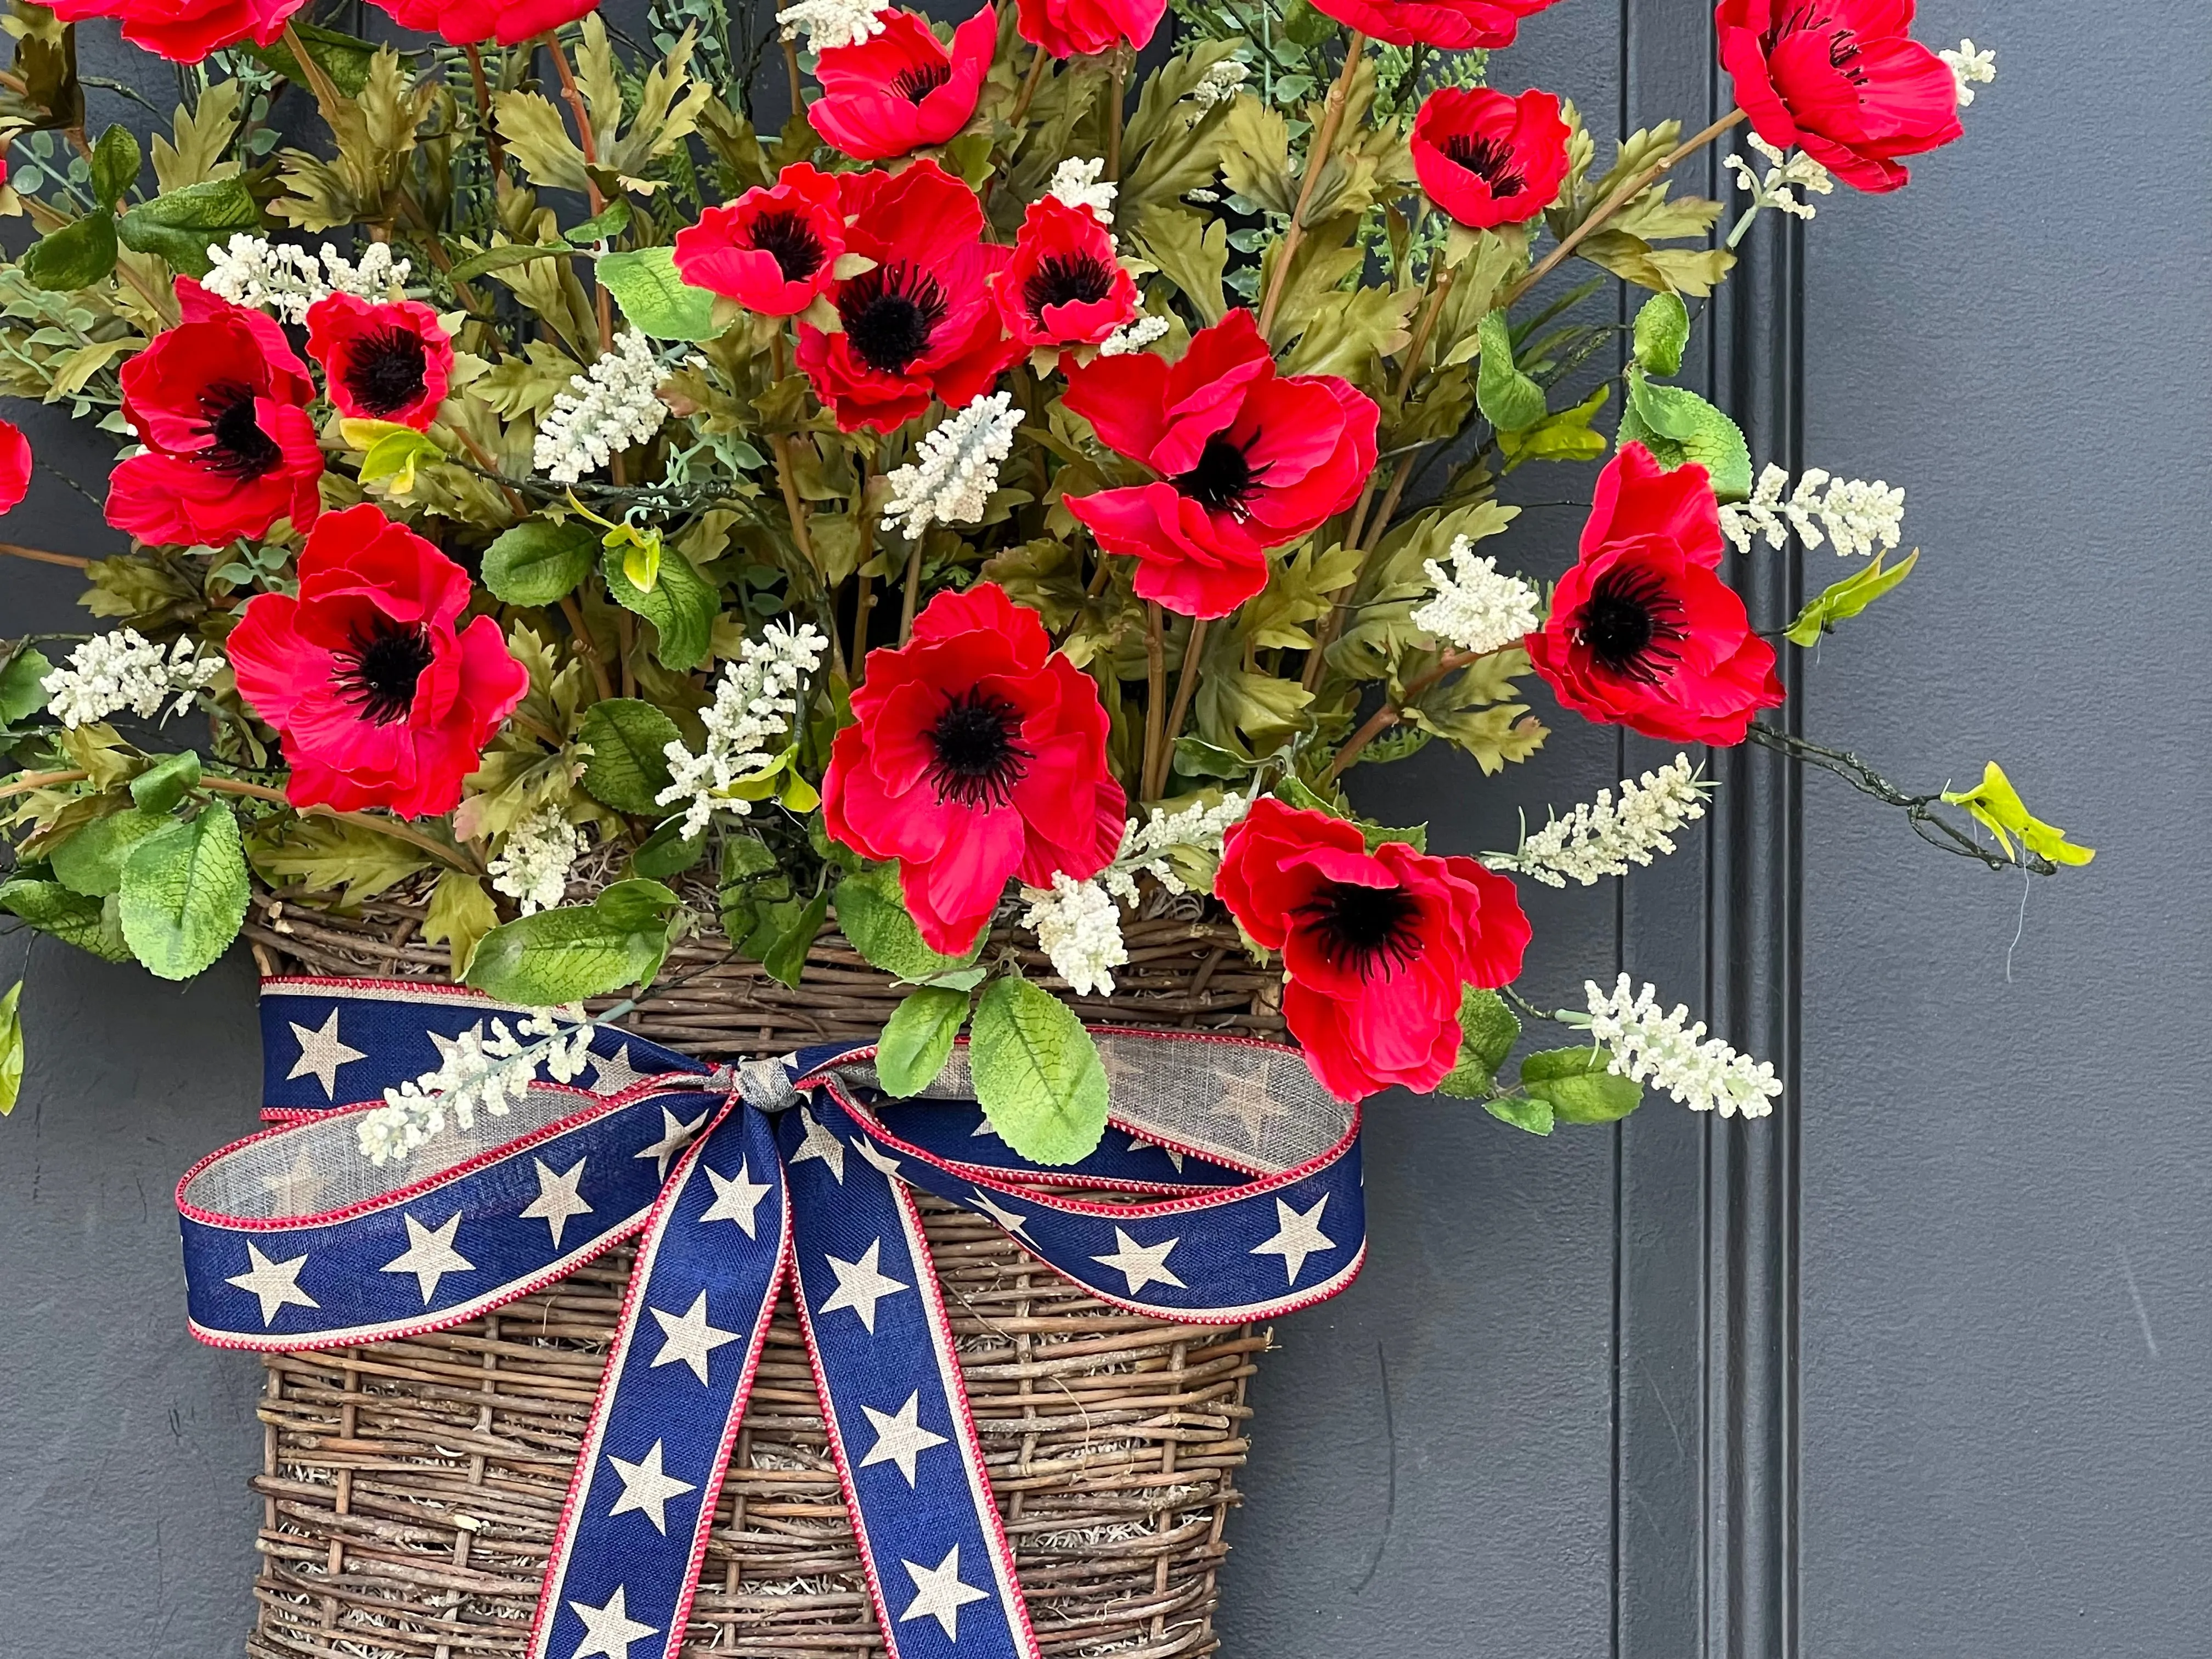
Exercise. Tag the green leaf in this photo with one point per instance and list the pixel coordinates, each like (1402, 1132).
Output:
(1848, 598)
(681, 607)
(395, 455)
(1191, 251)
(578, 951)
(872, 915)
(627, 766)
(1563, 435)
(667, 853)
(1522, 1112)
(76, 256)
(343, 57)
(1509, 399)
(657, 301)
(1037, 1074)
(87, 923)
(21, 694)
(1488, 1031)
(917, 1039)
(1996, 805)
(1663, 331)
(115, 160)
(1678, 426)
(786, 959)
(610, 221)
(183, 897)
(1578, 1087)
(91, 862)
(539, 561)
(461, 912)
(326, 854)
(179, 225)
(161, 785)
(11, 1047)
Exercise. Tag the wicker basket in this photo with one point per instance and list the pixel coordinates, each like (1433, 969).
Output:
(411, 1488)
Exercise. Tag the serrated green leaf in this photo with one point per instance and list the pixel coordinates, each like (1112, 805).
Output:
(1578, 1085)
(629, 764)
(90, 862)
(871, 913)
(658, 302)
(917, 1039)
(183, 895)
(179, 225)
(539, 561)
(681, 607)
(328, 855)
(1509, 399)
(161, 785)
(461, 912)
(89, 924)
(1522, 1112)
(1488, 1031)
(1663, 331)
(343, 58)
(1678, 427)
(1192, 251)
(76, 256)
(11, 1047)
(786, 959)
(21, 694)
(667, 853)
(115, 158)
(577, 950)
(1037, 1074)
(1848, 598)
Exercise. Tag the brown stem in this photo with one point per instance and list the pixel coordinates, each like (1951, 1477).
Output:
(1116, 92)
(586, 647)
(863, 602)
(1621, 198)
(1186, 687)
(912, 601)
(1422, 330)
(1390, 713)
(1332, 118)
(1325, 635)
(1030, 82)
(791, 73)
(492, 145)
(39, 555)
(1156, 690)
(588, 142)
(318, 82)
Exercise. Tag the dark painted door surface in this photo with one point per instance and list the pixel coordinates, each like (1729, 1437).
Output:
(1917, 1369)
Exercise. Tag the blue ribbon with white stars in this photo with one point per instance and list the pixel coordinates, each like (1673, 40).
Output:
(1250, 1205)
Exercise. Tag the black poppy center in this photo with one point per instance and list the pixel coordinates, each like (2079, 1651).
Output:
(1630, 623)
(379, 675)
(978, 759)
(1222, 477)
(1844, 48)
(788, 240)
(1491, 158)
(1067, 279)
(1373, 931)
(384, 371)
(240, 449)
(918, 80)
(889, 314)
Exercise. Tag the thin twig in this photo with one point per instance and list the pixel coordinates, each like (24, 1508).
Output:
(1332, 118)
(39, 555)
(1156, 688)
(1186, 687)
(586, 647)
(912, 601)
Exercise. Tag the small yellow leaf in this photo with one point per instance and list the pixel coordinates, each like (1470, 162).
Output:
(1996, 803)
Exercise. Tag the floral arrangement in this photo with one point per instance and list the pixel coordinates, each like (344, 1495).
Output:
(1019, 489)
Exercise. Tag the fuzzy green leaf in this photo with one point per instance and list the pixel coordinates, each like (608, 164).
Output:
(917, 1039)
(681, 607)
(1509, 399)
(872, 915)
(539, 561)
(115, 158)
(628, 765)
(180, 225)
(161, 785)
(786, 956)
(343, 58)
(577, 950)
(1488, 1031)
(76, 256)
(89, 924)
(1522, 1112)
(1578, 1087)
(183, 896)
(1037, 1074)
(1663, 331)
(657, 301)
(21, 694)
(91, 862)
(667, 853)
(1678, 427)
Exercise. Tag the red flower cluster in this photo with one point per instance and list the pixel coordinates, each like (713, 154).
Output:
(220, 401)
(382, 701)
(1376, 946)
(1844, 81)
(898, 90)
(1069, 29)
(1247, 458)
(185, 30)
(978, 752)
(1643, 632)
(465, 22)
(1064, 286)
(919, 323)
(382, 362)
(772, 250)
(1453, 25)
(1489, 159)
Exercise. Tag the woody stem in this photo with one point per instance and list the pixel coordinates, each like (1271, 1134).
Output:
(1186, 687)
(1156, 690)
(1332, 118)
(1390, 713)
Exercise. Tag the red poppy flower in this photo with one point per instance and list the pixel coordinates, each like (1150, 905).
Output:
(978, 752)
(185, 30)
(1842, 81)
(1247, 458)
(382, 362)
(1066, 28)
(465, 22)
(1643, 632)
(220, 403)
(382, 700)
(772, 249)
(1453, 25)
(14, 465)
(920, 323)
(1489, 159)
(1064, 285)
(1376, 946)
(898, 90)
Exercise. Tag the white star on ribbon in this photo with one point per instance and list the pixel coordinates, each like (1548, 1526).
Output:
(675, 1135)
(274, 1282)
(647, 1488)
(1141, 1264)
(293, 1192)
(689, 1338)
(940, 1595)
(557, 1198)
(1246, 1101)
(859, 1286)
(1013, 1221)
(321, 1052)
(983, 1131)
(882, 1160)
(1138, 1144)
(820, 1143)
(612, 1076)
(610, 1629)
(430, 1254)
(1296, 1237)
(900, 1436)
(736, 1198)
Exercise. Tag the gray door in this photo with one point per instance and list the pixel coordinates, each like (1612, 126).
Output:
(1916, 1369)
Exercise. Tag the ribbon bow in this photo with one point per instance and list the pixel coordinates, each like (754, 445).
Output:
(730, 1178)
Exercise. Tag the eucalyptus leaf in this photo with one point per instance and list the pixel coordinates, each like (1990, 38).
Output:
(917, 1039)
(1037, 1074)
(628, 739)
(182, 899)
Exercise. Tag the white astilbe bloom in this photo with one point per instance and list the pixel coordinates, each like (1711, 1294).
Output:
(482, 1070)
(745, 725)
(1133, 336)
(1702, 1072)
(110, 673)
(1144, 846)
(1971, 68)
(952, 480)
(1475, 607)
(1859, 517)
(607, 407)
(1079, 928)
(1219, 83)
(1078, 183)
(534, 864)
(285, 281)
(828, 24)
(1800, 171)
(1605, 836)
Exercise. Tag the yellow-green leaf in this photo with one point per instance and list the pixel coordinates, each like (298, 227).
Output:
(1995, 805)
(1849, 597)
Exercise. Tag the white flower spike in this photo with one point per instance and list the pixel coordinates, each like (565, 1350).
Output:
(1702, 1072)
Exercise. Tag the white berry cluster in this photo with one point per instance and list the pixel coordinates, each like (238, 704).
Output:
(1857, 516)
(1079, 927)
(110, 673)
(1476, 607)
(1219, 83)
(1603, 837)
(1081, 184)
(1784, 173)
(534, 865)
(1971, 68)
(828, 24)
(608, 407)
(1132, 336)
(285, 280)
(1702, 1072)
(1146, 847)
(957, 469)
(481, 1070)
(746, 723)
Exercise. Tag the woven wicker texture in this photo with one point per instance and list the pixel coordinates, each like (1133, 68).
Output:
(412, 1489)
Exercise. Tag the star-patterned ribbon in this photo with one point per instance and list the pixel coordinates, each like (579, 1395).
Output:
(728, 1179)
